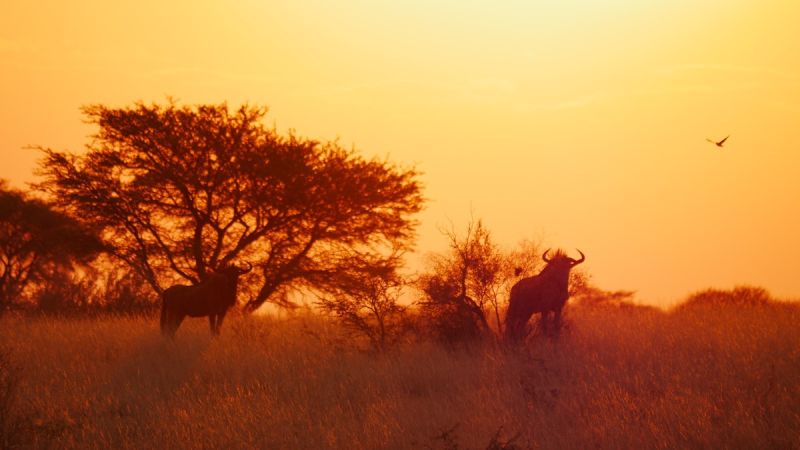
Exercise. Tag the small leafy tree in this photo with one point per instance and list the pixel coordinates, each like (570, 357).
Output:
(37, 244)
(460, 284)
(178, 192)
(371, 307)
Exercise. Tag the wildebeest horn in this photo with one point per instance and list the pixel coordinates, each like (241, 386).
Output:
(544, 257)
(249, 268)
(583, 258)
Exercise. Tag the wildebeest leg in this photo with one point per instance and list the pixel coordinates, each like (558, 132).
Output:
(543, 322)
(176, 319)
(212, 323)
(220, 317)
(165, 326)
(511, 331)
(517, 331)
(557, 322)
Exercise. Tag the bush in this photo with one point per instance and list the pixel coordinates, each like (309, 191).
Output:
(114, 290)
(739, 296)
(453, 323)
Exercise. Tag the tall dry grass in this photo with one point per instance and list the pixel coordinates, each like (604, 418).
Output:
(617, 378)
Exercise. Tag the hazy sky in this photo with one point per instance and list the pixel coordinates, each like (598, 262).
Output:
(582, 122)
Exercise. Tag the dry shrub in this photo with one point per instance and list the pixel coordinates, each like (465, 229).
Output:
(114, 290)
(453, 324)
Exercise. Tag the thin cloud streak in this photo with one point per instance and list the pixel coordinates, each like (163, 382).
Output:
(218, 74)
(479, 90)
(597, 97)
(764, 70)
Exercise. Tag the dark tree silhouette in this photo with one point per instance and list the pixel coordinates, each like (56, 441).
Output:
(179, 192)
(36, 243)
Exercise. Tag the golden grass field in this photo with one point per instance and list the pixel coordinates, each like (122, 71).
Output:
(702, 377)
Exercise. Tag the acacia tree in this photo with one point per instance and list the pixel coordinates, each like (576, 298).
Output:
(180, 191)
(36, 243)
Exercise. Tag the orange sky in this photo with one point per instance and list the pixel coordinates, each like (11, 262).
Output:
(582, 122)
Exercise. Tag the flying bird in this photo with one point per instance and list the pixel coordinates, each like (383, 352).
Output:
(720, 143)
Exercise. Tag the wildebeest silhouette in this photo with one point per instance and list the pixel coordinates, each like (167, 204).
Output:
(543, 293)
(212, 297)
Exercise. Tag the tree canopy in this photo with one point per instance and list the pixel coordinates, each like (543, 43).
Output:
(179, 191)
(35, 242)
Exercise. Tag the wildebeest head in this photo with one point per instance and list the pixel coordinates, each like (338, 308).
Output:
(558, 268)
(560, 260)
(234, 271)
(231, 274)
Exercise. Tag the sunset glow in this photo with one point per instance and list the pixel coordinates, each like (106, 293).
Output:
(581, 123)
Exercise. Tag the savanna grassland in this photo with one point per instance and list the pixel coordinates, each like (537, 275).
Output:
(699, 376)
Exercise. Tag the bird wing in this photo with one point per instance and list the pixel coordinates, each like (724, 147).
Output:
(712, 141)
(723, 141)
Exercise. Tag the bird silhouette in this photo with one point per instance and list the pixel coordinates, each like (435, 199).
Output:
(719, 143)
